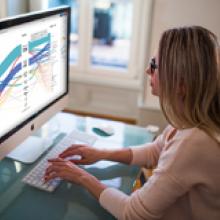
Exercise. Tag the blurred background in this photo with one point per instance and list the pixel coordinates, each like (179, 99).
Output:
(111, 44)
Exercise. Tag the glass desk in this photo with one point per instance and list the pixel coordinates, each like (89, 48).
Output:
(19, 201)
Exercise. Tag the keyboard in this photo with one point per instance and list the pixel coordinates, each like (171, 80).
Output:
(35, 177)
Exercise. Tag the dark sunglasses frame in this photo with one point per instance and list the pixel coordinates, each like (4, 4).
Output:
(153, 65)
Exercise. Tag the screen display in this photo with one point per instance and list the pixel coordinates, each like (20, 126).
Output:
(33, 69)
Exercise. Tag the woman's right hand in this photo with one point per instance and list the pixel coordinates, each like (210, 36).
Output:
(88, 154)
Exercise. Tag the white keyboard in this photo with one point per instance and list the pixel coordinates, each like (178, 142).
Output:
(36, 176)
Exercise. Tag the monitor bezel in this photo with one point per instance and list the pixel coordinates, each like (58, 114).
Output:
(30, 17)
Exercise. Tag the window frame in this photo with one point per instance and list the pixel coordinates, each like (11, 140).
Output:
(132, 77)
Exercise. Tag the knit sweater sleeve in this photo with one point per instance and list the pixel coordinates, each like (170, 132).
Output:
(183, 169)
(150, 202)
(148, 154)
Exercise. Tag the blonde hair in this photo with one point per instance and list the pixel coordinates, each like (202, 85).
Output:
(189, 79)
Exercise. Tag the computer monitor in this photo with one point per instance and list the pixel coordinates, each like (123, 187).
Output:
(33, 73)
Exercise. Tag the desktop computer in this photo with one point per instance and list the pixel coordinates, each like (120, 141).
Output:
(33, 77)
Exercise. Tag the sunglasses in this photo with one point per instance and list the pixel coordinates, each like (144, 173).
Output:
(153, 65)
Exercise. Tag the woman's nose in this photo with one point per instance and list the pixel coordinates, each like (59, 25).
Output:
(148, 71)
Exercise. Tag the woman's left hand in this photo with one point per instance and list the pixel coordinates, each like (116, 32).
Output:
(65, 170)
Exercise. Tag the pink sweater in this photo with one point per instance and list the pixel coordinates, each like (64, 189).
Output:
(185, 184)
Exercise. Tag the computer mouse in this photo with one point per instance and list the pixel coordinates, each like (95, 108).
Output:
(103, 130)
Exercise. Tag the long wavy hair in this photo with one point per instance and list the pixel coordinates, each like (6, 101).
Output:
(189, 79)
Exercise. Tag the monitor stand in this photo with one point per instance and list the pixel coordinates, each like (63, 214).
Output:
(35, 145)
(31, 149)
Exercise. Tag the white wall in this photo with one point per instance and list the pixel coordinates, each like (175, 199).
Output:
(3, 9)
(172, 13)
(36, 5)
(12, 7)
(17, 7)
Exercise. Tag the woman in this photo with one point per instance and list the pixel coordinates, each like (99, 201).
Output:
(186, 181)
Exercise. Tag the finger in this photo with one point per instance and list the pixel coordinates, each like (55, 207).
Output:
(57, 165)
(74, 146)
(55, 160)
(50, 176)
(81, 162)
(61, 175)
(53, 173)
(74, 150)
(52, 169)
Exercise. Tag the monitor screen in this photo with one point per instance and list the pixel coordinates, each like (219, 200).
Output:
(33, 67)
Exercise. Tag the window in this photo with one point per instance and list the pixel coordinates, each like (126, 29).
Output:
(112, 25)
(74, 29)
(107, 39)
